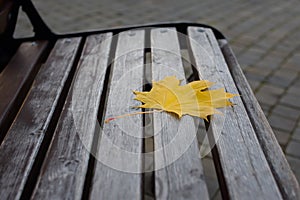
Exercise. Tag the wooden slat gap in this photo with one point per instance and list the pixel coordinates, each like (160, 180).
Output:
(148, 141)
(101, 112)
(220, 173)
(186, 60)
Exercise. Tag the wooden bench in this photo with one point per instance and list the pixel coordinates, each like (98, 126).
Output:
(56, 91)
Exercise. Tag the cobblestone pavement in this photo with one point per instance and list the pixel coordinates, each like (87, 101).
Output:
(265, 36)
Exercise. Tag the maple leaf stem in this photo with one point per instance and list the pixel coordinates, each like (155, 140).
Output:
(131, 114)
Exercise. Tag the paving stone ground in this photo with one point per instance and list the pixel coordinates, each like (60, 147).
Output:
(265, 36)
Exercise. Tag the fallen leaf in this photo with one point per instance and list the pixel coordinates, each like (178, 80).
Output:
(191, 99)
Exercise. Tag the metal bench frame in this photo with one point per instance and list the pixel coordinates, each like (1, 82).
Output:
(42, 31)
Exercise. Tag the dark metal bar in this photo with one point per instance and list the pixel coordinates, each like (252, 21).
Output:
(180, 26)
(40, 28)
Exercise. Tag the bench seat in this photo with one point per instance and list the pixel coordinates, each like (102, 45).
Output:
(56, 94)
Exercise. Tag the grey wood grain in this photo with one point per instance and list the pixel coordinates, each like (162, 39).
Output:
(179, 172)
(23, 140)
(118, 172)
(245, 168)
(282, 172)
(65, 165)
(15, 80)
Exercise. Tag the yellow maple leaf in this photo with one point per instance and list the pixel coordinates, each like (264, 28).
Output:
(192, 99)
(169, 96)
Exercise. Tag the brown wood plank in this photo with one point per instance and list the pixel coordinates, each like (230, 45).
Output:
(177, 157)
(16, 79)
(245, 168)
(23, 140)
(65, 166)
(282, 172)
(118, 172)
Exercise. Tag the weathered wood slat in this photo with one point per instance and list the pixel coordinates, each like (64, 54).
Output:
(180, 174)
(15, 81)
(65, 166)
(120, 148)
(282, 172)
(245, 168)
(23, 140)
